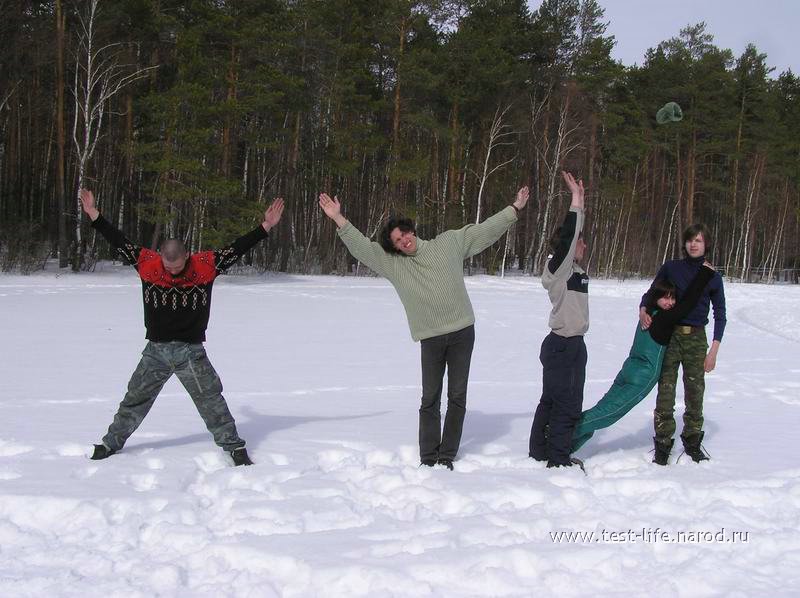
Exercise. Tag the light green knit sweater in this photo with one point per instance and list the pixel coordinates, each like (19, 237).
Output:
(430, 282)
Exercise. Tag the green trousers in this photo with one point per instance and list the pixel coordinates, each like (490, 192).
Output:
(689, 352)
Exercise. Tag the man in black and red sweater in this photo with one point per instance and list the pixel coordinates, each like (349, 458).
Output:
(176, 288)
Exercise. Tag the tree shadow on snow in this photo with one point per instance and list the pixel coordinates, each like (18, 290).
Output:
(253, 427)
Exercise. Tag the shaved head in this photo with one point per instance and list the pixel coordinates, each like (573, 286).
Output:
(174, 255)
(173, 250)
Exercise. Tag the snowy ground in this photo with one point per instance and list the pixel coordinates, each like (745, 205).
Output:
(323, 379)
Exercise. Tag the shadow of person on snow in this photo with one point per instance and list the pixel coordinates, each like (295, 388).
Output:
(254, 427)
(482, 429)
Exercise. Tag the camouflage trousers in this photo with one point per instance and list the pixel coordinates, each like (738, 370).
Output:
(688, 351)
(190, 363)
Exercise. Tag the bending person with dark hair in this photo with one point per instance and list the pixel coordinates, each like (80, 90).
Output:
(428, 276)
(642, 368)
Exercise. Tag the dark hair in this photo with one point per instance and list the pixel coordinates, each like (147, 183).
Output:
(697, 229)
(660, 288)
(173, 250)
(406, 225)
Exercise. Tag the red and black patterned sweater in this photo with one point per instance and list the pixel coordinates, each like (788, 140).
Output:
(177, 307)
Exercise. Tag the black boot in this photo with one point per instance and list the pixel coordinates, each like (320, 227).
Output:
(663, 448)
(692, 447)
(240, 456)
(448, 463)
(101, 451)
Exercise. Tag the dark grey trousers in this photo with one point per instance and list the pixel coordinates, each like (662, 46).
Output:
(453, 351)
(190, 363)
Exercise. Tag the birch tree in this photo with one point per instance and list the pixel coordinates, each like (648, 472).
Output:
(100, 74)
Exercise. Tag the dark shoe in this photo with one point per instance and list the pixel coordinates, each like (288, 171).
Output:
(663, 449)
(240, 456)
(692, 447)
(428, 462)
(448, 463)
(579, 463)
(555, 464)
(101, 451)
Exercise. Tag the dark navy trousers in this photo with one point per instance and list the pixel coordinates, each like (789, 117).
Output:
(559, 410)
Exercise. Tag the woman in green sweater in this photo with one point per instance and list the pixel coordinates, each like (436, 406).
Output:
(428, 276)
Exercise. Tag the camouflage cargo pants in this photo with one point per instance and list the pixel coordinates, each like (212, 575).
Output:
(688, 351)
(190, 363)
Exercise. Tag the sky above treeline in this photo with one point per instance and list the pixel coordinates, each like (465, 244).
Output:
(771, 25)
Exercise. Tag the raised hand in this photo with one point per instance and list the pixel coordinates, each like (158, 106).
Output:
(330, 206)
(88, 204)
(522, 198)
(332, 209)
(273, 214)
(576, 188)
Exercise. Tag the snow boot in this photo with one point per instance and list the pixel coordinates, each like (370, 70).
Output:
(663, 448)
(101, 451)
(448, 463)
(240, 456)
(692, 447)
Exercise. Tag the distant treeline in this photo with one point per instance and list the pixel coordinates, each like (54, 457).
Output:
(186, 117)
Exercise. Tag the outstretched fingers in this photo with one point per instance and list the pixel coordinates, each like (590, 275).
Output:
(87, 199)
(330, 205)
(574, 186)
(276, 207)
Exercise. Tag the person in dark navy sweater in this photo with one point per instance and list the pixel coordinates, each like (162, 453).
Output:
(176, 291)
(642, 368)
(688, 348)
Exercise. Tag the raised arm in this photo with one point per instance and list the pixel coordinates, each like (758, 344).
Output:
(128, 251)
(367, 252)
(477, 237)
(564, 253)
(227, 256)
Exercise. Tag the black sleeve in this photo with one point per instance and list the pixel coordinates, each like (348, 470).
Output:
(662, 273)
(227, 256)
(127, 250)
(690, 298)
(567, 234)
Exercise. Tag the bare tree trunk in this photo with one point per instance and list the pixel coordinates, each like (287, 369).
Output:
(772, 258)
(561, 151)
(225, 167)
(498, 133)
(99, 76)
(735, 192)
(743, 248)
(63, 240)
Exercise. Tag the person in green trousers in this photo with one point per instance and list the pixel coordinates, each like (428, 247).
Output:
(642, 368)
